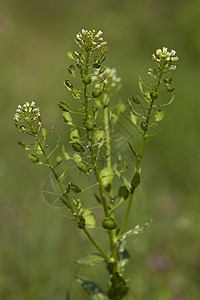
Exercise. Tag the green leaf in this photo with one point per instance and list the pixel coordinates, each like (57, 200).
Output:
(90, 259)
(94, 291)
(159, 115)
(90, 221)
(136, 230)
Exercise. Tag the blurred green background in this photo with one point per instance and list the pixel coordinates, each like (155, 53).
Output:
(37, 248)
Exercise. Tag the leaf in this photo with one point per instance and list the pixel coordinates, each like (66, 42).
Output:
(92, 289)
(90, 221)
(90, 259)
(159, 115)
(136, 230)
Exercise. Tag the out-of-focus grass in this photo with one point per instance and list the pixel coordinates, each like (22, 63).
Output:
(38, 249)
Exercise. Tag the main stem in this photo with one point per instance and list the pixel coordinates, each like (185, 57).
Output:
(97, 171)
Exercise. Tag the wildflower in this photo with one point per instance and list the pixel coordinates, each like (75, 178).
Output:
(166, 58)
(90, 40)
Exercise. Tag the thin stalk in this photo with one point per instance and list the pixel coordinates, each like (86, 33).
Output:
(107, 258)
(139, 157)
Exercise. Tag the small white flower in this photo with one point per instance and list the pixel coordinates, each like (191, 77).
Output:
(18, 110)
(173, 52)
(83, 31)
(172, 68)
(27, 119)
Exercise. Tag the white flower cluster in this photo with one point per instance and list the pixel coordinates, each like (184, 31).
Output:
(91, 40)
(169, 58)
(27, 113)
(108, 77)
(111, 78)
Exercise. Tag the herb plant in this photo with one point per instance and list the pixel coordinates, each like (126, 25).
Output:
(90, 128)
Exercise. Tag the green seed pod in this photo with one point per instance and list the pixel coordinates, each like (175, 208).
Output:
(74, 134)
(63, 105)
(98, 136)
(135, 181)
(154, 95)
(123, 192)
(86, 79)
(109, 223)
(74, 187)
(90, 124)
(68, 85)
(170, 89)
(58, 159)
(83, 166)
(33, 158)
(67, 117)
(76, 146)
(44, 132)
(96, 93)
(102, 69)
(71, 70)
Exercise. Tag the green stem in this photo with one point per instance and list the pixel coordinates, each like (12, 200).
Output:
(139, 157)
(97, 171)
(107, 258)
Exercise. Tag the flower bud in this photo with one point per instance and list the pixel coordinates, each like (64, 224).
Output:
(83, 166)
(109, 223)
(86, 79)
